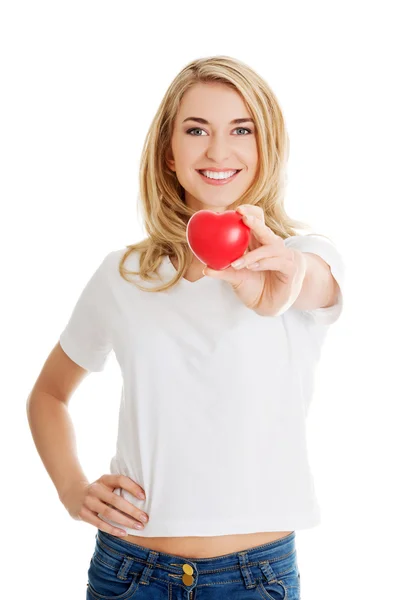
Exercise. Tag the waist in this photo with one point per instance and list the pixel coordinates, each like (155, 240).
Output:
(206, 547)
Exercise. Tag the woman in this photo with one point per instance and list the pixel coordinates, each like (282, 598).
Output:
(217, 366)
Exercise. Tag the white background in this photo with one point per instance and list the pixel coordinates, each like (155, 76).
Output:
(80, 83)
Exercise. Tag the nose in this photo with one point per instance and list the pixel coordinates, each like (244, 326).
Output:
(218, 149)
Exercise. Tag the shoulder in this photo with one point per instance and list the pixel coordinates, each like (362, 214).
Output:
(113, 259)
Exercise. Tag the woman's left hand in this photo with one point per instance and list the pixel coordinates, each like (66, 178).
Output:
(275, 284)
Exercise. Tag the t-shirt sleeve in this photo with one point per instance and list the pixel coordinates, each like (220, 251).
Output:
(87, 339)
(327, 250)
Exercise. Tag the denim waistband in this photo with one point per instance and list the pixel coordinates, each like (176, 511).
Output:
(267, 561)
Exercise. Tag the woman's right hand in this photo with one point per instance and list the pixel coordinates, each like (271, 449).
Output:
(84, 500)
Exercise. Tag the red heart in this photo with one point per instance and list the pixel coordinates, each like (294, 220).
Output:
(217, 239)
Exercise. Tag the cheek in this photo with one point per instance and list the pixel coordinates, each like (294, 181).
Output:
(191, 154)
(248, 156)
(187, 160)
(253, 158)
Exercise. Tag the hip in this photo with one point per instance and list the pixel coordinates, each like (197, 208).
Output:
(119, 569)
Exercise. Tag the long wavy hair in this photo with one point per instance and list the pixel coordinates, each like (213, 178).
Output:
(162, 198)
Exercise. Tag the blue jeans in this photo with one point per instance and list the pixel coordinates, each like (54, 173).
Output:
(120, 570)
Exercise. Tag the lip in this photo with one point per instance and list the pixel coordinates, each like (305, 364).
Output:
(218, 170)
(218, 181)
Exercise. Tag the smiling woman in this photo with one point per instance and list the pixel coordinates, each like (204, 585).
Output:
(215, 393)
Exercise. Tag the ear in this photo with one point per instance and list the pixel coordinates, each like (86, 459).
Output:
(169, 159)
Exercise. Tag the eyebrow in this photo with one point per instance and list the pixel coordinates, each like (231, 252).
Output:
(204, 122)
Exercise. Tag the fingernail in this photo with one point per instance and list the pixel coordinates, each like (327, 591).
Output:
(237, 263)
(141, 495)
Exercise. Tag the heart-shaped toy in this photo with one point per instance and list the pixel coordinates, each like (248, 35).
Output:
(217, 239)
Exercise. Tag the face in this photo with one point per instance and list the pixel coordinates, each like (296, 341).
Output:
(216, 145)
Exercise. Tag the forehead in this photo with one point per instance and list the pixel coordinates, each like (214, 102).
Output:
(212, 101)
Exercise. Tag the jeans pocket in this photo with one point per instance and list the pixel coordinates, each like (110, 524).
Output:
(110, 574)
(280, 580)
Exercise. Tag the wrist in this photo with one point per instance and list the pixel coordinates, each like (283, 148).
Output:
(71, 487)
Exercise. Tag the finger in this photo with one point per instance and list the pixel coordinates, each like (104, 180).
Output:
(89, 517)
(122, 481)
(254, 256)
(131, 486)
(260, 230)
(128, 508)
(104, 494)
(273, 263)
(110, 513)
(249, 209)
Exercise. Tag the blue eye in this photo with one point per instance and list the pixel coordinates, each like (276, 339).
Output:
(244, 129)
(189, 131)
(194, 129)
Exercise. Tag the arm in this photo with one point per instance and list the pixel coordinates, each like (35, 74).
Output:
(50, 422)
(320, 289)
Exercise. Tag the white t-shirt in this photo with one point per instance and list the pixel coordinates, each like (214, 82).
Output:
(214, 400)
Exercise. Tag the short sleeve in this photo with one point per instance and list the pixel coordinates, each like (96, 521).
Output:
(327, 250)
(86, 339)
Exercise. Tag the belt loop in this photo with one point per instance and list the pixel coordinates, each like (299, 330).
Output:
(150, 563)
(268, 572)
(249, 580)
(125, 568)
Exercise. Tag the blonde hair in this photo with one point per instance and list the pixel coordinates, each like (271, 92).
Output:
(162, 198)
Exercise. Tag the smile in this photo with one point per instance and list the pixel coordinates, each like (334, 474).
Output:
(218, 179)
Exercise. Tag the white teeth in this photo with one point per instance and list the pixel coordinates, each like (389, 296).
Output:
(216, 175)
